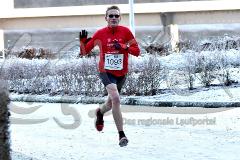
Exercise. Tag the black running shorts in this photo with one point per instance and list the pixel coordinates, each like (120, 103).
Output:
(108, 78)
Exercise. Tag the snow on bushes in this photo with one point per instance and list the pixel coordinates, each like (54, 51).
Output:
(146, 73)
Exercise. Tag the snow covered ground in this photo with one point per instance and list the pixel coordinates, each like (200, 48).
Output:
(154, 133)
(38, 130)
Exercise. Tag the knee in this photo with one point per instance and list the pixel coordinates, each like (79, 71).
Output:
(116, 99)
(113, 94)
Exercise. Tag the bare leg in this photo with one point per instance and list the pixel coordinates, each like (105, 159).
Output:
(107, 106)
(116, 111)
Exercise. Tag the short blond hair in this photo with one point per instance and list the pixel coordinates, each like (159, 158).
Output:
(112, 7)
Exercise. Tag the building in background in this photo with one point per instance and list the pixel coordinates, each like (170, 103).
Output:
(55, 24)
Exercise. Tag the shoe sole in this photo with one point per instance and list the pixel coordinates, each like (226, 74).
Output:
(96, 121)
(123, 142)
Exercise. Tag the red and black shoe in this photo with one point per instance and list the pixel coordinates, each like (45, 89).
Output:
(99, 122)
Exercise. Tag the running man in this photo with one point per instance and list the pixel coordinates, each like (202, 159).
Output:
(115, 43)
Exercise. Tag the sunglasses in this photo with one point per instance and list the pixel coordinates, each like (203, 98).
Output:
(112, 15)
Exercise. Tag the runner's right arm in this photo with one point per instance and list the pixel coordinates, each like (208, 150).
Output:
(86, 44)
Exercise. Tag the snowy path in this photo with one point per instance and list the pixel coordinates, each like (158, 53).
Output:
(152, 135)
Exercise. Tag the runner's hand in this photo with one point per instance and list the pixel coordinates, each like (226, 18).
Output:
(119, 46)
(83, 35)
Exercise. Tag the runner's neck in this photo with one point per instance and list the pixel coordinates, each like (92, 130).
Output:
(112, 29)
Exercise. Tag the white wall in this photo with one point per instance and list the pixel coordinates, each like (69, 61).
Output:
(8, 11)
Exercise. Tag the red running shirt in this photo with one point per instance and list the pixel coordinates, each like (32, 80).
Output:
(104, 39)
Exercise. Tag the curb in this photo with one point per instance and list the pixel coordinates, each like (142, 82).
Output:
(124, 101)
(156, 103)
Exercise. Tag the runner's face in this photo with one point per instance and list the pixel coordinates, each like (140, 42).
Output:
(113, 17)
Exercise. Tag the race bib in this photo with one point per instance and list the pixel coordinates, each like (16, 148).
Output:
(113, 61)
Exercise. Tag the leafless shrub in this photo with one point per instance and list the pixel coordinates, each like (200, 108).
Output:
(32, 53)
(157, 49)
(147, 80)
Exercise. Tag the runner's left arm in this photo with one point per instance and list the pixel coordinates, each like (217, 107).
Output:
(132, 45)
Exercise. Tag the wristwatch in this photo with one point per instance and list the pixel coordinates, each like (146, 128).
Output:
(127, 46)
